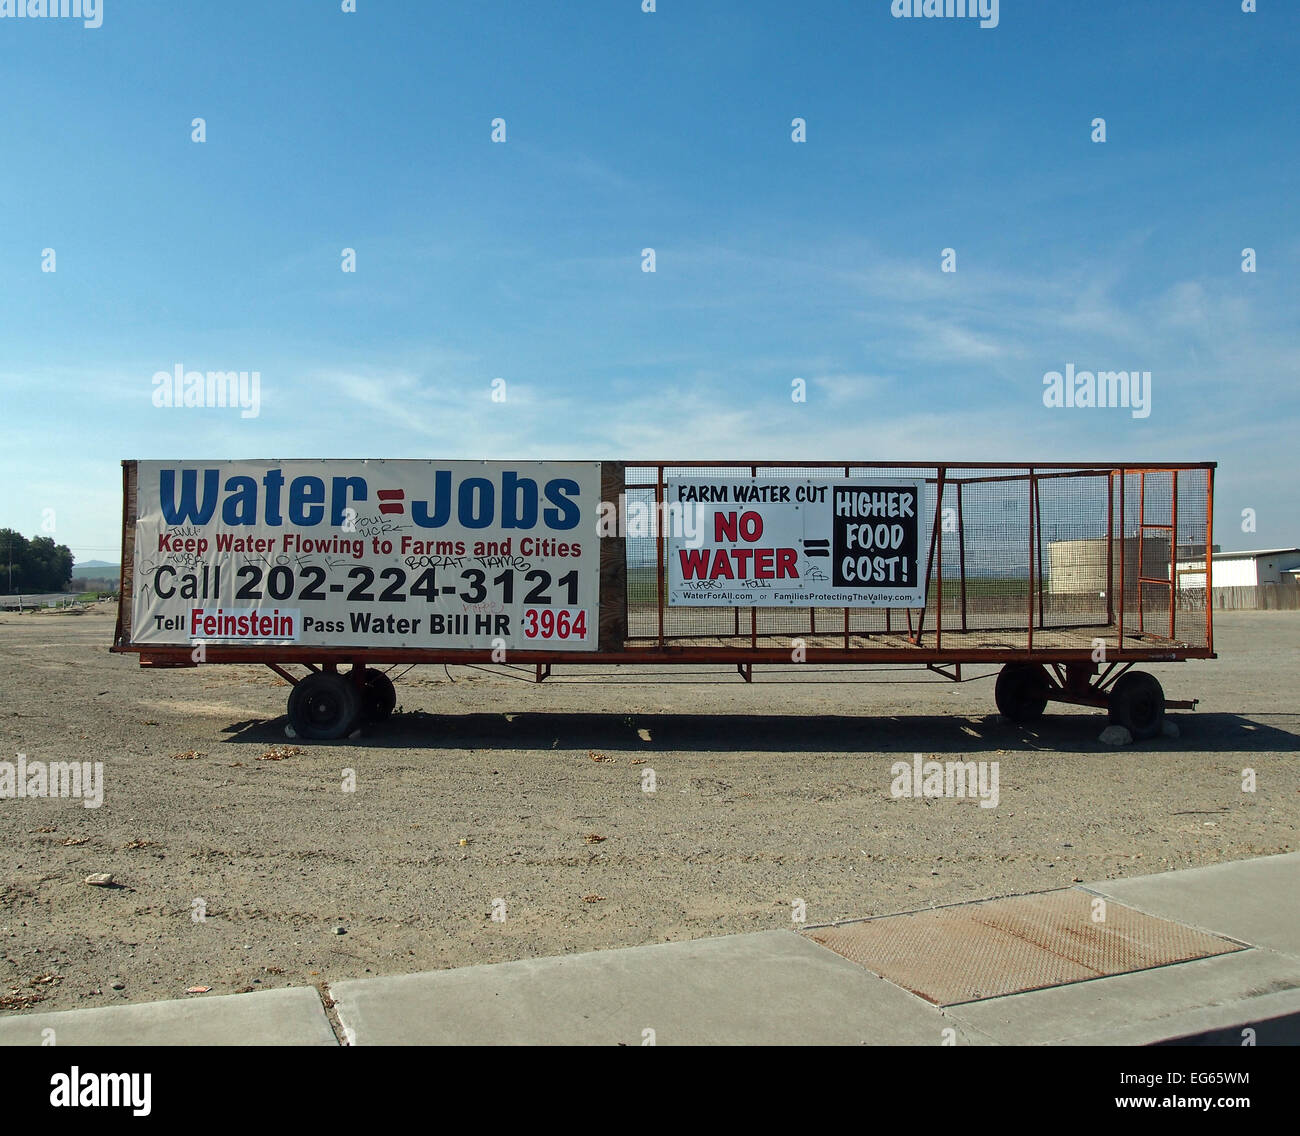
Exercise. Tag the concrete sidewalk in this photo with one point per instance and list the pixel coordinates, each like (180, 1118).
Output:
(776, 987)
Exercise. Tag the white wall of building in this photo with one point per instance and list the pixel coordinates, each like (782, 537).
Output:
(1240, 571)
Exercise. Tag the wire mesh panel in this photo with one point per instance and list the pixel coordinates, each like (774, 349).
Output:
(1014, 557)
(1193, 552)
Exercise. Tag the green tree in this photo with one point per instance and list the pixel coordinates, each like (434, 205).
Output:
(50, 563)
(13, 559)
(37, 565)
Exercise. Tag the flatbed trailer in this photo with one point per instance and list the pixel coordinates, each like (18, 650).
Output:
(1067, 574)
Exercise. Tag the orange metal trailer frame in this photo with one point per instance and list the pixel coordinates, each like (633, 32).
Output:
(1111, 596)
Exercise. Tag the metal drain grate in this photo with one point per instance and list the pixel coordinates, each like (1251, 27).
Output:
(983, 950)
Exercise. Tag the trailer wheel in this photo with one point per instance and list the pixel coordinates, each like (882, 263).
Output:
(378, 697)
(324, 707)
(1021, 692)
(1137, 702)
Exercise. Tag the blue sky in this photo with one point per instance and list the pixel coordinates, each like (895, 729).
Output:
(626, 130)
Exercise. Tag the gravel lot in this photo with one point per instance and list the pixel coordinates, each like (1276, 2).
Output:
(485, 786)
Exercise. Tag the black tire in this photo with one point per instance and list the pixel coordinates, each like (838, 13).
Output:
(1021, 692)
(324, 707)
(378, 697)
(1137, 702)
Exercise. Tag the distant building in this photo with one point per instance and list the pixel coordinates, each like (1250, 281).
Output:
(1242, 569)
(1254, 578)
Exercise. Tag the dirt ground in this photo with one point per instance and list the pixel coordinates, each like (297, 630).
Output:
(486, 787)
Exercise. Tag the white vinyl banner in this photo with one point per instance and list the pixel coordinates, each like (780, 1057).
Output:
(430, 554)
(766, 542)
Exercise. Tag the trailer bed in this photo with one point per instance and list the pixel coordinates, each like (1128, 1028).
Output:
(1077, 640)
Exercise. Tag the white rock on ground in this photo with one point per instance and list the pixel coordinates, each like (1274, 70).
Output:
(1115, 736)
(1170, 729)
